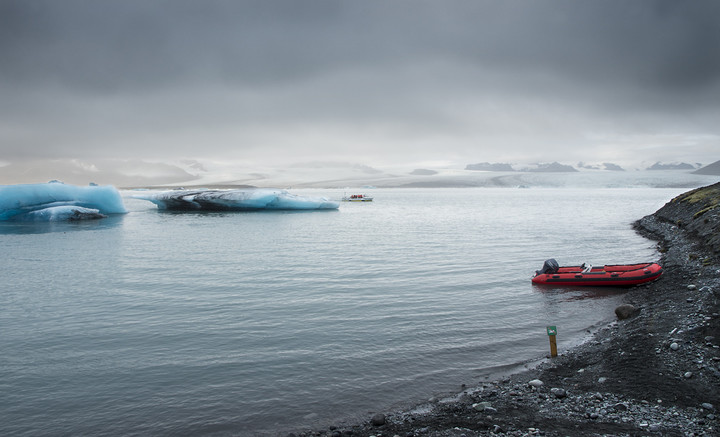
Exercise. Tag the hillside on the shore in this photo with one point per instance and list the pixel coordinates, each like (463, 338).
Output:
(698, 213)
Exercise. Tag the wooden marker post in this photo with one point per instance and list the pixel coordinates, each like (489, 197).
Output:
(552, 333)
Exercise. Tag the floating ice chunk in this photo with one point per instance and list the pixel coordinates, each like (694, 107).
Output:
(247, 199)
(63, 213)
(38, 201)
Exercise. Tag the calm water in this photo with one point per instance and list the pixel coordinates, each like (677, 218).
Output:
(157, 323)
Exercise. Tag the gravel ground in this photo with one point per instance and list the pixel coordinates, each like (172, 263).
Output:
(654, 373)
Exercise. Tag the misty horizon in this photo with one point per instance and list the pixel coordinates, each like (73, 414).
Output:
(136, 173)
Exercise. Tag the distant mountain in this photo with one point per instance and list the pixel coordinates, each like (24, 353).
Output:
(587, 166)
(612, 167)
(711, 169)
(486, 166)
(673, 166)
(554, 167)
(605, 166)
(423, 172)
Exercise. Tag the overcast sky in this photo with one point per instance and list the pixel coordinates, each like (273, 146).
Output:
(426, 83)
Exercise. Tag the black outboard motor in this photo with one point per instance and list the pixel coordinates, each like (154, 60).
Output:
(549, 266)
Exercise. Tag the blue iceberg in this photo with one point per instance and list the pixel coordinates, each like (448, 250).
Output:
(249, 199)
(56, 201)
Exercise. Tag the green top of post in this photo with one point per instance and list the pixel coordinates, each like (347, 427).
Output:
(551, 330)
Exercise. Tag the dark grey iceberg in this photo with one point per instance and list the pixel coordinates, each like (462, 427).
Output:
(247, 199)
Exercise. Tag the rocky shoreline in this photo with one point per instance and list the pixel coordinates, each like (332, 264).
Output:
(656, 372)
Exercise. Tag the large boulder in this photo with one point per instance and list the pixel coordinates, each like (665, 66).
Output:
(378, 420)
(624, 311)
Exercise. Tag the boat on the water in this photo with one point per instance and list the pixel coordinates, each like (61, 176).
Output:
(622, 275)
(357, 198)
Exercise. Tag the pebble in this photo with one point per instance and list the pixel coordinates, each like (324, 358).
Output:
(602, 379)
(691, 287)
(621, 407)
(378, 420)
(558, 392)
(536, 383)
(708, 406)
(688, 375)
(674, 346)
(482, 406)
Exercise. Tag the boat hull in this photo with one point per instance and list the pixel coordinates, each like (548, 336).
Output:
(605, 276)
(357, 198)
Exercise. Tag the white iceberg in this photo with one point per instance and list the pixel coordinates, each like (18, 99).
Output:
(58, 202)
(63, 213)
(249, 199)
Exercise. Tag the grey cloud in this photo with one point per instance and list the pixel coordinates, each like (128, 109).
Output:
(114, 45)
(148, 78)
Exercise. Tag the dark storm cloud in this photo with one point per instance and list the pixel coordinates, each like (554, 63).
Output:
(99, 45)
(68, 67)
(117, 44)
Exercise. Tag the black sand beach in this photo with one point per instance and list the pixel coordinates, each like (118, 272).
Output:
(656, 372)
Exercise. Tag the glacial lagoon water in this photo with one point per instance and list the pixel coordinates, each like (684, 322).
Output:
(160, 323)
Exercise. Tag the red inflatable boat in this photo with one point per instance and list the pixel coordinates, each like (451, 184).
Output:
(612, 275)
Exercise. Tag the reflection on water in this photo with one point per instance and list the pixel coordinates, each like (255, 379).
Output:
(572, 293)
(29, 227)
